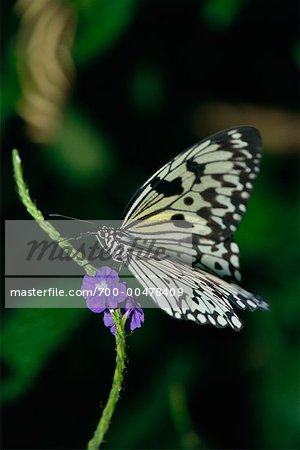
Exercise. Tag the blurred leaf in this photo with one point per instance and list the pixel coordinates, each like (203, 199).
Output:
(10, 88)
(269, 236)
(181, 417)
(147, 89)
(275, 362)
(100, 24)
(29, 339)
(296, 53)
(261, 231)
(221, 14)
(278, 126)
(253, 235)
(180, 369)
(80, 153)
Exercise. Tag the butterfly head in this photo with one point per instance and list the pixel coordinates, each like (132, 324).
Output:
(115, 242)
(106, 236)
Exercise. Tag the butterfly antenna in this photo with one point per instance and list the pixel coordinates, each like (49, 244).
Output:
(81, 235)
(72, 218)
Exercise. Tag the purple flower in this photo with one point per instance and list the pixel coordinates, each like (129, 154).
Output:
(135, 314)
(108, 321)
(103, 290)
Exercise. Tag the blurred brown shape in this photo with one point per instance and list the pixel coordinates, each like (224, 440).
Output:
(45, 64)
(280, 129)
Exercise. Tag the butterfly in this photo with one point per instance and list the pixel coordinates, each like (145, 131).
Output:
(190, 208)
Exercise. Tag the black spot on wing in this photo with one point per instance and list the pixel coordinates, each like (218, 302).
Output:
(167, 188)
(180, 221)
(188, 201)
(177, 217)
(197, 169)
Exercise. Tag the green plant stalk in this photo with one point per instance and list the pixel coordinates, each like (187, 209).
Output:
(119, 321)
(114, 395)
(44, 224)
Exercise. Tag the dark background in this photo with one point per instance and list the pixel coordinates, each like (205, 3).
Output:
(153, 77)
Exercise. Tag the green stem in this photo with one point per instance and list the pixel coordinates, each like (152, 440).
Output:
(119, 321)
(114, 395)
(44, 224)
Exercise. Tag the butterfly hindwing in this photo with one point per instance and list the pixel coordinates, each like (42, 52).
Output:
(221, 258)
(205, 299)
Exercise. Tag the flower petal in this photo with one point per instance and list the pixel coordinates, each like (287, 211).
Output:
(108, 322)
(136, 320)
(107, 272)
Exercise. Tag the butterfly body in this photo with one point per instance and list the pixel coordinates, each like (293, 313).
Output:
(116, 242)
(190, 208)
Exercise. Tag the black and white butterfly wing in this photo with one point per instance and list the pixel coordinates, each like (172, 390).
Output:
(193, 204)
(205, 298)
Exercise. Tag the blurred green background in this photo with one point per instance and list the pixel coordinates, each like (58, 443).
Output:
(96, 95)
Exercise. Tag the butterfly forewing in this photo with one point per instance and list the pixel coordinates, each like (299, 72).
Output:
(197, 200)
(211, 180)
